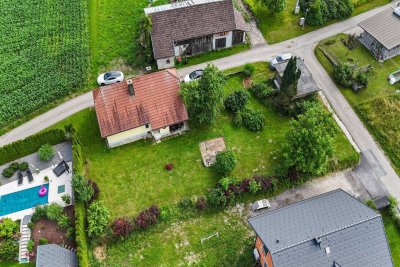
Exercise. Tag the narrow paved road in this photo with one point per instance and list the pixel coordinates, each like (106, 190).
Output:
(375, 172)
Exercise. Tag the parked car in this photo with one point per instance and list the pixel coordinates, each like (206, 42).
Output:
(280, 58)
(260, 204)
(194, 75)
(394, 77)
(110, 77)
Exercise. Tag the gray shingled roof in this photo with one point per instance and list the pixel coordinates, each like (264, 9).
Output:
(53, 255)
(306, 84)
(187, 21)
(352, 231)
(384, 27)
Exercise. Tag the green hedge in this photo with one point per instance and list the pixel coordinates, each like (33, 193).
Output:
(81, 237)
(30, 145)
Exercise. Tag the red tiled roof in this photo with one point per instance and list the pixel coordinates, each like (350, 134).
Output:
(156, 101)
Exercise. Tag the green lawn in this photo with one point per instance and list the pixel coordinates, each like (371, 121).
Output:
(393, 236)
(377, 105)
(16, 264)
(279, 27)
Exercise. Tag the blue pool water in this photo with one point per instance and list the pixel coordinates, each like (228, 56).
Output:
(22, 200)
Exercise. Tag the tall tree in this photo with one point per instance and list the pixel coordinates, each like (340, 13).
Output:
(144, 48)
(310, 141)
(275, 6)
(288, 88)
(204, 98)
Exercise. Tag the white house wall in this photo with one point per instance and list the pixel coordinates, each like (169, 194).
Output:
(165, 63)
(128, 136)
(228, 37)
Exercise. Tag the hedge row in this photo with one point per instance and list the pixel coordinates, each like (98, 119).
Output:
(30, 145)
(80, 209)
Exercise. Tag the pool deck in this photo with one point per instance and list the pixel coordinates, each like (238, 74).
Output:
(38, 179)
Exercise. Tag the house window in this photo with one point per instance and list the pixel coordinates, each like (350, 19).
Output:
(147, 126)
(61, 189)
(220, 43)
(168, 61)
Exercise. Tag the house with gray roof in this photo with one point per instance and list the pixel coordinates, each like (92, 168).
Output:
(306, 84)
(381, 34)
(329, 230)
(53, 255)
(192, 27)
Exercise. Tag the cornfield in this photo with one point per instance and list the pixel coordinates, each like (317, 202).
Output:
(43, 53)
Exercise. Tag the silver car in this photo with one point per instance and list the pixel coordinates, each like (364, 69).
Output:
(110, 77)
(280, 58)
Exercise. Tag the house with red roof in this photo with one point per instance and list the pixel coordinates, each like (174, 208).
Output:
(148, 106)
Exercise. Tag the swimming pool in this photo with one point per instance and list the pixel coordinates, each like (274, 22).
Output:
(22, 200)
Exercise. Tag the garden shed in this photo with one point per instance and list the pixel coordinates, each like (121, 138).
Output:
(52, 255)
(381, 34)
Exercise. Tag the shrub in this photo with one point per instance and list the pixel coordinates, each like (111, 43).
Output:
(254, 186)
(253, 120)
(8, 228)
(169, 166)
(147, 217)
(201, 203)
(53, 211)
(63, 221)
(83, 191)
(343, 75)
(14, 166)
(248, 69)
(216, 198)
(66, 198)
(97, 218)
(39, 212)
(121, 227)
(43, 241)
(244, 186)
(261, 89)
(227, 181)
(225, 162)
(185, 203)
(8, 249)
(45, 152)
(351, 42)
(362, 79)
(236, 101)
(96, 190)
(24, 166)
(31, 244)
(80, 234)
(264, 182)
(8, 172)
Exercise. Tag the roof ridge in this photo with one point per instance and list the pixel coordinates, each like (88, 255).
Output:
(328, 233)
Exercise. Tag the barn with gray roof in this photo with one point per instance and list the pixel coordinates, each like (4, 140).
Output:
(332, 229)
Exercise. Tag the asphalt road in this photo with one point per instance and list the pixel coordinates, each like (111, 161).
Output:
(374, 172)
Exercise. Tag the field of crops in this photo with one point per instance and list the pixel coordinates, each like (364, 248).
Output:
(43, 53)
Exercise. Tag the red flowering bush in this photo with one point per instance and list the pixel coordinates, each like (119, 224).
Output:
(148, 217)
(121, 227)
(169, 166)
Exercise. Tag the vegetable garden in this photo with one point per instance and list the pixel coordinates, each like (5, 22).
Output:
(44, 54)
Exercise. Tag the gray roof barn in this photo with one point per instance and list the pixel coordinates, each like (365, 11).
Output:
(190, 19)
(332, 228)
(384, 27)
(53, 255)
(306, 84)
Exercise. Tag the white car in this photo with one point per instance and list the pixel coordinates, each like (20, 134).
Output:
(194, 75)
(280, 58)
(110, 77)
(260, 204)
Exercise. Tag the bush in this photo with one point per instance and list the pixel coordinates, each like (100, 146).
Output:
(244, 186)
(96, 190)
(169, 166)
(66, 198)
(43, 241)
(362, 79)
(45, 152)
(24, 166)
(227, 181)
(38, 213)
(14, 166)
(148, 217)
(185, 203)
(248, 69)
(31, 244)
(264, 182)
(121, 227)
(8, 249)
(225, 162)
(216, 198)
(97, 219)
(317, 13)
(236, 101)
(80, 234)
(253, 120)
(8, 228)
(63, 221)
(254, 186)
(201, 203)
(53, 211)
(8, 172)
(343, 75)
(30, 145)
(83, 190)
(261, 89)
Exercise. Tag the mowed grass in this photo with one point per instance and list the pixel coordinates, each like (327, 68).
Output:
(377, 105)
(133, 176)
(283, 26)
(393, 236)
(179, 243)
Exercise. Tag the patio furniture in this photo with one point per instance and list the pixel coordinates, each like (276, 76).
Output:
(30, 176)
(20, 178)
(61, 168)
